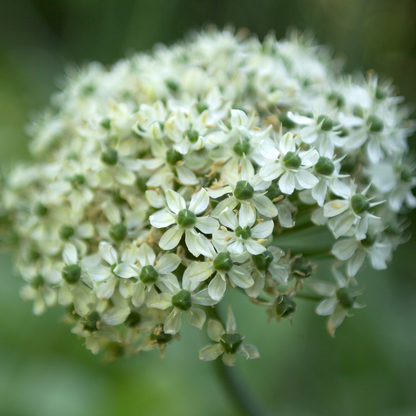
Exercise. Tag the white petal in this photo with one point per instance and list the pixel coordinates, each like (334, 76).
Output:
(155, 199)
(69, 254)
(186, 176)
(287, 183)
(106, 289)
(326, 307)
(345, 248)
(216, 287)
(355, 263)
(231, 325)
(211, 352)
(146, 255)
(111, 212)
(173, 322)
(343, 224)
(215, 330)
(207, 224)
(247, 215)
(199, 202)
(162, 219)
(116, 316)
(107, 252)
(271, 171)
(241, 277)
(125, 270)
(175, 201)
(196, 317)
(264, 206)
(191, 241)
(167, 263)
(199, 272)
(124, 176)
(305, 179)
(254, 248)
(171, 238)
(262, 230)
(335, 207)
(249, 351)
(335, 320)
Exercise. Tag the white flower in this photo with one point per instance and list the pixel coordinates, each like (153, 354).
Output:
(186, 220)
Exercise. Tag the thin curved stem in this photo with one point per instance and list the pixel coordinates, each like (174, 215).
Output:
(236, 389)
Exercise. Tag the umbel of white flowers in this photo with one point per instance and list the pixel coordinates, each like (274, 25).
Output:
(162, 183)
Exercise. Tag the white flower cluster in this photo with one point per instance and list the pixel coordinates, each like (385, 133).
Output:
(163, 182)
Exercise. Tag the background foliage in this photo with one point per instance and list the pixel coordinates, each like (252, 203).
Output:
(45, 371)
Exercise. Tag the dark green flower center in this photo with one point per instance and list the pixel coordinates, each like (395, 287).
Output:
(273, 191)
(375, 123)
(186, 218)
(380, 93)
(141, 184)
(358, 111)
(263, 260)
(133, 319)
(325, 166)
(292, 160)
(406, 175)
(37, 281)
(244, 233)
(173, 157)
(66, 231)
(40, 210)
(327, 123)
(286, 306)
(303, 267)
(149, 274)
(223, 262)
(182, 300)
(344, 298)
(106, 123)
(231, 342)
(77, 180)
(109, 157)
(369, 240)
(193, 136)
(72, 273)
(359, 203)
(172, 85)
(159, 336)
(201, 107)
(337, 98)
(92, 322)
(242, 149)
(286, 121)
(118, 232)
(243, 191)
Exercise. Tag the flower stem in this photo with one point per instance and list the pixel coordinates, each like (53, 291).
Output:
(238, 391)
(234, 385)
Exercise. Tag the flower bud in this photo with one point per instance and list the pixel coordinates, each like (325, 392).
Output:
(109, 157)
(182, 300)
(358, 111)
(106, 123)
(193, 136)
(72, 273)
(223, 262)
(172, 85)
(325, 166)
(302, 267)
(148, 274)
(380, 93)
(327, 123)
(263, 260)
(173, 157)
(344, 298)
(406, 174)
(337, 98)
(359, 203)
(243, 191)
(66, 231)
(141, 183)
(285, 306)
(231, 342)
(186, 218)
(37, 282)
(118, 232)
(369, 240)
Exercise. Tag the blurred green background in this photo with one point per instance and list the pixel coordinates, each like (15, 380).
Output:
(369, 369)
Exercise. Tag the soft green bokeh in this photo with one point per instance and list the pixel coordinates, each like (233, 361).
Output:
(369, 369)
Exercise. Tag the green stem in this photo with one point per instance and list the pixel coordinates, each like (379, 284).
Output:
(309, 297)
